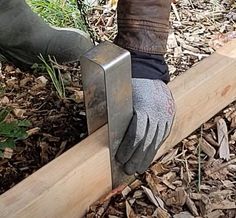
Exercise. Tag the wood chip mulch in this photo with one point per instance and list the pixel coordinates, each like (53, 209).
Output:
(56, 124)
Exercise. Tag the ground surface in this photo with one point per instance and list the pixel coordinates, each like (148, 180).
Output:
(185, 182)
(56, 124)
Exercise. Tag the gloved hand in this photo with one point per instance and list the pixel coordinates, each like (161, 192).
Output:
(154, 111)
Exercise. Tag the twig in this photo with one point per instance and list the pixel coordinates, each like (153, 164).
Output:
(199, 160)
(176, 12)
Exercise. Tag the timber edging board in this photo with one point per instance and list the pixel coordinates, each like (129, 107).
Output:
(69, 184)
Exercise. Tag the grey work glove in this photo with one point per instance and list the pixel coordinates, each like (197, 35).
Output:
(154, 111)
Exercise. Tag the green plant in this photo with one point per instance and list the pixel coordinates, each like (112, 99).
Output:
(12, 131)
(2, 59)
(199, 161)
(60, 13)
(55, 77)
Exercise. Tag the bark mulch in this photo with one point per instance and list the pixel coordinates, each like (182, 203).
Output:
(55, 124)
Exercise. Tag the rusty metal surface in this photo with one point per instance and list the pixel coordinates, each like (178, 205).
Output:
(106, 73)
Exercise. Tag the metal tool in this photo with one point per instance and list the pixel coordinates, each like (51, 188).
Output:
(106, 74)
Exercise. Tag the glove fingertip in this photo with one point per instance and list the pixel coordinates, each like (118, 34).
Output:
(125, 149)
(129, 169)
(141, 171)
(147, 160)
(120, 156)
(127, 146)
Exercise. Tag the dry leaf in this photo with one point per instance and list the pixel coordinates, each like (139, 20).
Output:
(228, 184)
(208, 125)
(220, 195)
(216, 170)
(215, 214)
(168, 178)
(150, 196)
(171, 42)
(79, 96)
(9, 68)
(233, 136)
(207, 148)
(154, 183)
(160, 213)
(159, 169)
(135, 184)
(233, 122)
(222, 133)
(44, 152)
(8, 152)
(33, 131)
(199, 197)
(209, 138)
(227, 3)
(19, 113)
(191, 205)
(126, 191)
(190, 143)
(223, 205)
(170, 156)
(184, 214)
(177, 197)
(4, 101)
(24, 81)
(42, 80)
(129, 211)
(138, 194)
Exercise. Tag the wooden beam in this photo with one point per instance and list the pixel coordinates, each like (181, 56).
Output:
(201, 92)
(66, 186)
(70, 183)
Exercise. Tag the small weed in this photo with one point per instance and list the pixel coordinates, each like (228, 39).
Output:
(55, 77)
(12, 131)
(2, 59)
(199, 180)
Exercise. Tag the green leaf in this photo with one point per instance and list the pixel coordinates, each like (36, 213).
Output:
(9, 143)
(56, 80)
(23, 123)
(12, 130)
(3, 114)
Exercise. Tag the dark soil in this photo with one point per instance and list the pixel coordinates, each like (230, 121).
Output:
(56, 124)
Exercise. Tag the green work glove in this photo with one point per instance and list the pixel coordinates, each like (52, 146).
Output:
(154, 111)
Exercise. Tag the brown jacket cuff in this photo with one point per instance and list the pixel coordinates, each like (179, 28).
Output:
(143, 25)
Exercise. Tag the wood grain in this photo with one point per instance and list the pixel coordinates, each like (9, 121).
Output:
(66, 186)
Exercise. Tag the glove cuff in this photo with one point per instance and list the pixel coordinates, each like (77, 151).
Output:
(149, 66)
